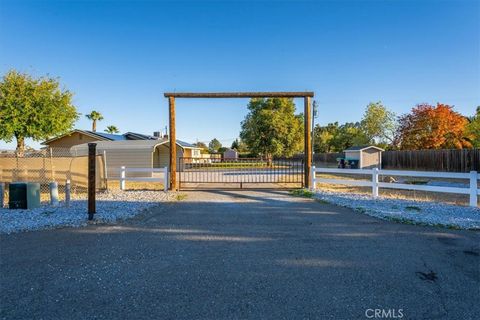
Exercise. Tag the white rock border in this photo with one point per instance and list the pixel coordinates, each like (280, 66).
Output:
(110, 206)
(407, 211)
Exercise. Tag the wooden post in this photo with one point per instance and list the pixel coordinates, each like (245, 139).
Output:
(92, 152)
(2, 194)
(173, 146)
(308, 142)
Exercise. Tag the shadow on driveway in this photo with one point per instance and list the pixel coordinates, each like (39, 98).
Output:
(253, 254)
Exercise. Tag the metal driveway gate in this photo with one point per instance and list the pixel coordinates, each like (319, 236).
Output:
(241, 173)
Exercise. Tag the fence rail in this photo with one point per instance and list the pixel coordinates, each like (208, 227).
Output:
(163, 179)
(473, 191)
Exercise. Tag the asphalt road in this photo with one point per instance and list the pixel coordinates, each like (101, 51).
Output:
(242, 255)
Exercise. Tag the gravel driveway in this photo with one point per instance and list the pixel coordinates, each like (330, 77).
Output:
(241, 255)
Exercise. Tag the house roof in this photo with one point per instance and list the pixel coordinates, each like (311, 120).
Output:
(102, 136)
(361, 148)
(129, 139)
(95, 135)
(184, 144)
(140, 136)
(108, 136)
(132, 144)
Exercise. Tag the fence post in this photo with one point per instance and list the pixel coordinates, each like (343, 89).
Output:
(53, 193)
(165, 179)
(92, 153)
(67, 193)
(2, 194)
(314, 180)
(105, 171)
(122, 178)
(375, 182)
(473, 188)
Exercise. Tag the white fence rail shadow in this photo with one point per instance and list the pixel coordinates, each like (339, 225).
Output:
(473, 191)
(163, 178)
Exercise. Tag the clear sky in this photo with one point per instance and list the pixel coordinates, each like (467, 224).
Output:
(120, 57)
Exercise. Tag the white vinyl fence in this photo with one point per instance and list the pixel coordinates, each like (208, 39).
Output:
(162, 179)
(472, 190)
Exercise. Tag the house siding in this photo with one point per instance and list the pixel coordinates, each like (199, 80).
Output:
(128, 158)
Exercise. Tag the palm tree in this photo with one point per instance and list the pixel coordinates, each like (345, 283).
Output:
(94, 116)
(112, 129)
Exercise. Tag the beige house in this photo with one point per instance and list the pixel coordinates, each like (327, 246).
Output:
(366, 157)
(138, 154)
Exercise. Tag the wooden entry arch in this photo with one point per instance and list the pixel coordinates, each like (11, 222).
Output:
(306, 95)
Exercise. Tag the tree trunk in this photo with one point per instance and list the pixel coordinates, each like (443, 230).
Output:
(20, 145)
(269, 160)
(94, 125)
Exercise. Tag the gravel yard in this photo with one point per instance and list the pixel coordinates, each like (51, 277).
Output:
(407, 211)
(111, 206)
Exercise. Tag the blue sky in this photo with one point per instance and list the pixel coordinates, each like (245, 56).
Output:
(120, 57)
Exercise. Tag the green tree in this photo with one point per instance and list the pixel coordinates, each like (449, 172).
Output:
(271, 128)
(202, 145)
(214, 145)
(336, 138)
(112, 129)
(235, 144)
(34, 108)
(94, 116)
(323, 137)
(239, 145)
(350, 134)
(378, 123)
(473, 129)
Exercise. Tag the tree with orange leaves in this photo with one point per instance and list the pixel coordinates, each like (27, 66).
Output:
(430, 127)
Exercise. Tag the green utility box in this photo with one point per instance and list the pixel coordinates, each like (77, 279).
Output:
(24, 195)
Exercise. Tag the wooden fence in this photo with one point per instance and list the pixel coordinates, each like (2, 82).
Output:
(327, 159)
(446, 160)
(450, 160)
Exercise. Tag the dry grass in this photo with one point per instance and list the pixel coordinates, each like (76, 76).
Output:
(136, 185)
(450, 198)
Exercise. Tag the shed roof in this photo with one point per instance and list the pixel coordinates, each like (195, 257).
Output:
(361, 148)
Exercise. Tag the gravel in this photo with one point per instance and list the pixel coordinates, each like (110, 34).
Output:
(111, 206)
(407, 211)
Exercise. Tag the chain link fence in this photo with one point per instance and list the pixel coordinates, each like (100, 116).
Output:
(51, 165)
